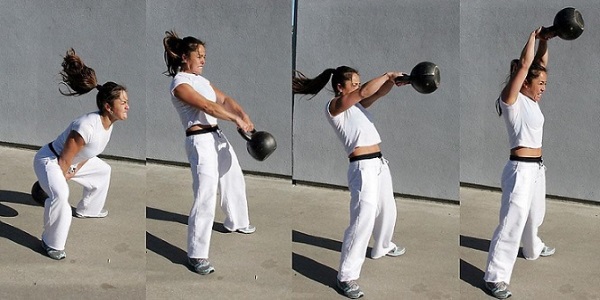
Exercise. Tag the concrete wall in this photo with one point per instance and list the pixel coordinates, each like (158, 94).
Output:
(35, 35)
(491, 34)
(432, 141)
(419, 132)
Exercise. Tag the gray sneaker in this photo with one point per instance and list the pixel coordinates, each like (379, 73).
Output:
(547, 251)
(350, 289)
(53, 253)
(498, 289)
(246, 230)
(201, 265)
(397, 251)
(103, 213)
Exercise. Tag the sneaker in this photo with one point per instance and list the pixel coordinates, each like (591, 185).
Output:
(201, 265)
(103, 213)
(246, 230)
(350, 289)
(396, 251)
(547, 251)
(498, 289)
(53, 253)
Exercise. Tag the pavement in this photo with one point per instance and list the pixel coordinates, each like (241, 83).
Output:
(139, 250)
(573, 272)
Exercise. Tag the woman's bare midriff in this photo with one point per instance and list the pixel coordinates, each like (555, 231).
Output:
(364, 150)
(526, 152)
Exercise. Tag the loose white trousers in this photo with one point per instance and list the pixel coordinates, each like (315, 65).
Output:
(214, 166)
(94, 176)
(521, 213)
(372, 211)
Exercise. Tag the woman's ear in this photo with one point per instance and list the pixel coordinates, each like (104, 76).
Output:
(108, 108)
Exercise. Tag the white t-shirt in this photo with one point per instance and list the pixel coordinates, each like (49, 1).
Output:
(354, 127)
(524, 122)
(90, 127)
(188, 114)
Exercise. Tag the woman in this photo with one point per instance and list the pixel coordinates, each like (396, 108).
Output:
(213, 162)
(73, 156)
(523, 179)
(372, 204)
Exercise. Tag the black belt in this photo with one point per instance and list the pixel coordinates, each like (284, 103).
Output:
(53, 150)
(366, 156)
(201, 131)
(526, 159)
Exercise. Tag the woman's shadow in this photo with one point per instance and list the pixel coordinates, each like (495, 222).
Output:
(165, 249)
(14, 234)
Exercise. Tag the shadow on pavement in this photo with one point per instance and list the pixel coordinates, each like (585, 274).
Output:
(21, 237)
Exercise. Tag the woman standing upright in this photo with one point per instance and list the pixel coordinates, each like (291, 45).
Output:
(523, 179)
(372, 204)
(73, 155)
(213, 162)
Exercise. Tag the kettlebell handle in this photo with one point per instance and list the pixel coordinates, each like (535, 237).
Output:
(247, 135)
(402, 79)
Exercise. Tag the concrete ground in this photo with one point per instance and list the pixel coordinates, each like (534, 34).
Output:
(573, 272)
(105, 257)
(139, 251)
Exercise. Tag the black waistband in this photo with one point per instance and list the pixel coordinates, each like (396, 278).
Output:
(526, 159)
(366, 156)
(53, 150)
(201, 131)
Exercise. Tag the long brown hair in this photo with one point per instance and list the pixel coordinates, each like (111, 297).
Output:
(175, 48)
(81, 79)
(304, 85)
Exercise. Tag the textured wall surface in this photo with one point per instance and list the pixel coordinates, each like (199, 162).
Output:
(433, 142)
(491, 34)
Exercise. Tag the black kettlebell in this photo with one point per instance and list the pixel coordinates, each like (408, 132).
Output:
(424, 77)
(260, 144)
(568, 24)
(38, 194)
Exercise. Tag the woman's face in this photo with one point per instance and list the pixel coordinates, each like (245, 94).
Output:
(349, 86)
(194, 61)
(120, 107)
(536, 87)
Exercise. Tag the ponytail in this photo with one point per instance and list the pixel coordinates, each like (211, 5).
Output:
(76, 75)
(175, 48)
(81, 79)
(303, 85)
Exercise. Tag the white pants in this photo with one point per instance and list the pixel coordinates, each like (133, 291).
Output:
(372, 211)
(521, 213)
(94, 176)
(214, 166)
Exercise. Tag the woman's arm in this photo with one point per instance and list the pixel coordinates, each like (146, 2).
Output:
(541, 56)
(187, 94)
(511, 90)
(72, 146)
(233, 107)
(365, 92)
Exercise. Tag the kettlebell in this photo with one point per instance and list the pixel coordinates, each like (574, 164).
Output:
(260, 144)
(424, 77)
(568, 24)
(38, 194)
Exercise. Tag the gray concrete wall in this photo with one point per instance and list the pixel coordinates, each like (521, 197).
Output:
(35, 35)
(491, 34)
(420, 133)
(248, 46)
(250, 57)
